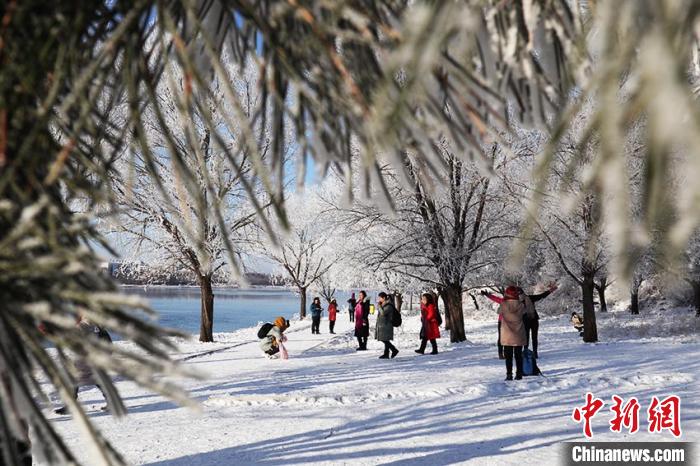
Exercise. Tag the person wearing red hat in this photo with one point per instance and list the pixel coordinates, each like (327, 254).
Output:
(512, 309)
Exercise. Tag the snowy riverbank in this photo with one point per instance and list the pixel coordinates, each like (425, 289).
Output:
(328, 404)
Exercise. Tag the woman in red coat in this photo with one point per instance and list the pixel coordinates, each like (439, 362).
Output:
(332, 311)
(430, 329)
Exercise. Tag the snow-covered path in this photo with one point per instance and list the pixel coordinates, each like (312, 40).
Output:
(329, 404)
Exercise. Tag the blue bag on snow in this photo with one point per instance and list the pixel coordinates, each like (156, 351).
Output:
(530, 363)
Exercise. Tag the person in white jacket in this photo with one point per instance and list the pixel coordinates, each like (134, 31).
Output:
(272, 343)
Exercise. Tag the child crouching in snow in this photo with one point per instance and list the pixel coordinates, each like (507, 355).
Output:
(273, 342)
(577, 322)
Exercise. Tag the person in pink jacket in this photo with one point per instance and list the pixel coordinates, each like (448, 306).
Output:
(511, 310)
(332, 312)
(362, 321)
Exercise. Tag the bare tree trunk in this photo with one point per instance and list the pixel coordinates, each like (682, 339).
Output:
(452, 295)
(590, 329)
(327, 293)
(410, 302)
(441, 294)
(601, 296)
(696, 297)
(206, 327)
(398, 300)
(634, 300)
(302, 310)
(634, 296)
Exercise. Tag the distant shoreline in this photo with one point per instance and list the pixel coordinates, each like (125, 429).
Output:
(232, 287)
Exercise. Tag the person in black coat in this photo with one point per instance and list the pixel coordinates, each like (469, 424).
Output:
(352, 302)
(532, 324)
(385, 325)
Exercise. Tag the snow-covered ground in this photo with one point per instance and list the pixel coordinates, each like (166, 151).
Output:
(329, 404)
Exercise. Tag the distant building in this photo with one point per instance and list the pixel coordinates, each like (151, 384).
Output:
(110, 267)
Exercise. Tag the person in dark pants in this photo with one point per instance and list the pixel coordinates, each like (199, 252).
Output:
(352, 302)
(316, 311)
(332, 312)
(508, 353)
(512, 308)
(385, 326)
(362, 321)
(532, 324)
(430, 330)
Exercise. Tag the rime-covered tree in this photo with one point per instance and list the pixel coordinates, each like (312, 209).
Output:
(578, 238)
(197, 216)
(397, 76)
(309, 249)
(441, 232)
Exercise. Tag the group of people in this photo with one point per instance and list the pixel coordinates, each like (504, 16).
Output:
(316, 311)
(388, 317)
(518, 324)
(387, 320)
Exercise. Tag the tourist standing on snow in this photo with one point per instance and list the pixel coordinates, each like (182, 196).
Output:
(332, 311)
(512, 309)
(352, 302)
(384, 331)
(272, 343)
(532, 324)
(430, 329)
(316, 311)
(85, 376)
(362, 321)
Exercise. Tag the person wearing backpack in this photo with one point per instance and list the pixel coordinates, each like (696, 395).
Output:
(532, 324)
(272, 339)
(362, 321)
(430, 329)
(386, 320)
(332, 313)
(316, 311)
